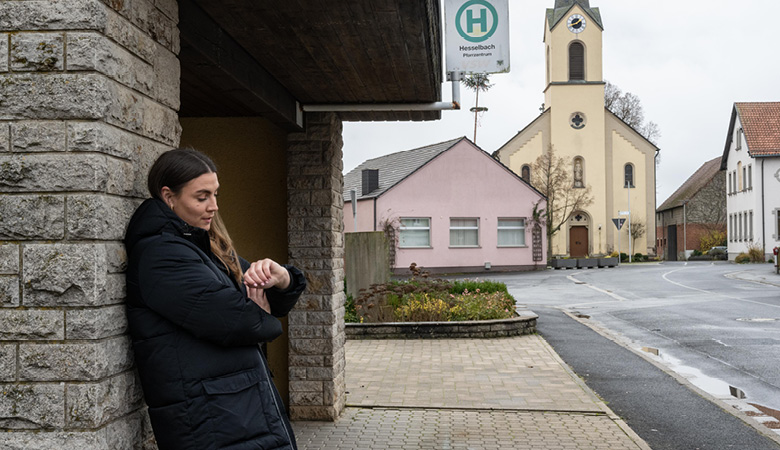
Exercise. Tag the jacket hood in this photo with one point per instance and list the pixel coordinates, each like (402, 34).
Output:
(153, 218)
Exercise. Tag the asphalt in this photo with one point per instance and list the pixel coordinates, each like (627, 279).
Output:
(518, 393)
(504, 393)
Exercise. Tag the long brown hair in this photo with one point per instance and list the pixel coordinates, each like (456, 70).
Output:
(174, 169)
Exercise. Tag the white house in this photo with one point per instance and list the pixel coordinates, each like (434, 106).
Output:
(751, 160)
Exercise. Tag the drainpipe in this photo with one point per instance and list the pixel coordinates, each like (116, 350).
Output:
(763, 222)
(454, 77)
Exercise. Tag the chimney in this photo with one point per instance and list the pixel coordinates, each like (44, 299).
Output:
(370, 181)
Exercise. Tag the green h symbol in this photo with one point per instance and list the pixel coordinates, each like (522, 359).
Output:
(481, 20)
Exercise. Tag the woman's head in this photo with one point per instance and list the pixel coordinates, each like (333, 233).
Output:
(186, 180)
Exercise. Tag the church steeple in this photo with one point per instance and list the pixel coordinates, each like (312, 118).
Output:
(562, 7)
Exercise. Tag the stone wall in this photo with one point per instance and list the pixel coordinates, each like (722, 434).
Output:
(315, 221)
(89, 91)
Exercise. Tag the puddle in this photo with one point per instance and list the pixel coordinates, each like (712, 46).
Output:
(695, 376)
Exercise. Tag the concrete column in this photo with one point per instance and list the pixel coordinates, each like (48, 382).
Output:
(316, 244)
(89, 93)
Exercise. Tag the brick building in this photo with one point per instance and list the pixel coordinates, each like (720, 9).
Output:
(696, 208)
(92, 92)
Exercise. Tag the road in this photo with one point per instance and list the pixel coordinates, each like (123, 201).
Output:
(706, 321)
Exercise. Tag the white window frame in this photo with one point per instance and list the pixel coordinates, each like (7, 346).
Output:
(465, 228)
(500, 228)
(402, 228)
(739, 139)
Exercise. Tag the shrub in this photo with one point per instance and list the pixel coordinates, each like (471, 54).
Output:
(614, 254)
(638, 257)
(623, 257)
(427, 299)
(713, 238)
(755, 252)
(350, 314)
(696, 253)
(742, 258)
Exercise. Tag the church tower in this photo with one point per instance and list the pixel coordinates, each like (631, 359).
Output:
(603, 153)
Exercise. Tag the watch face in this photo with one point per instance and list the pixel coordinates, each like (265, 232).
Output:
(576, 23)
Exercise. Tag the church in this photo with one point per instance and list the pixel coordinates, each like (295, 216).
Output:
(603, 152)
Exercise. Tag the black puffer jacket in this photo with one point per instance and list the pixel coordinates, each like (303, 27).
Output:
(195, 336)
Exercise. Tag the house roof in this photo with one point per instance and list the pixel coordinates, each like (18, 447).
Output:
(692, 185)
(393, 168)
(761, 127)
(562, 8)
(396, 167)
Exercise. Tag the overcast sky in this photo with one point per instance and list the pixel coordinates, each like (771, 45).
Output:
(688, 61)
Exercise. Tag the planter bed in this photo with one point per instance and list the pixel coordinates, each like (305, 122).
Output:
(525, 323)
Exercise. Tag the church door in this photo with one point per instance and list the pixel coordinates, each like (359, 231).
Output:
(578, 242)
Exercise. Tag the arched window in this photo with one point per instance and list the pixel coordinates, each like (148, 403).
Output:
(525, 173)
(578, 172)
(628, 180)
(576, 61)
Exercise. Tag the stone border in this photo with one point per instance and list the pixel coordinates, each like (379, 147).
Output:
(524, 323)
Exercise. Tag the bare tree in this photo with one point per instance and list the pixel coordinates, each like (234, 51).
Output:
(629, 108)
(638, 229)
(477, 82)
(553, 176)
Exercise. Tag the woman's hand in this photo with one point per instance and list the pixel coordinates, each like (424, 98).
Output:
(257, 295)
(266, 274)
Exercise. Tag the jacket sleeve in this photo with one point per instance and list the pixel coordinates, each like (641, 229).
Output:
(283, 301)
(177, 284)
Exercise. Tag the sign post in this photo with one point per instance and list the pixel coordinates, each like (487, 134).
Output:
(477, 36)
(619, 224)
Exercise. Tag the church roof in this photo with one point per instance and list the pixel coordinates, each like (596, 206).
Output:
(692, 185)
(562, 8)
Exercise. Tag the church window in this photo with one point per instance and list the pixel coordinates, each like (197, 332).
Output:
(628, 180)
(578, 173)
(576, 62)
(525, 173)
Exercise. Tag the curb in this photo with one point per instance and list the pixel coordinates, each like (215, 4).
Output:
(750, 421)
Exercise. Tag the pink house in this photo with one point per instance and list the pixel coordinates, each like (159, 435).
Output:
(452, 208)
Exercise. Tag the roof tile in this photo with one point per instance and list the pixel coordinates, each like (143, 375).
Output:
(761, 125)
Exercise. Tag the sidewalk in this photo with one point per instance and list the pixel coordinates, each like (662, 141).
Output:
(505, 393)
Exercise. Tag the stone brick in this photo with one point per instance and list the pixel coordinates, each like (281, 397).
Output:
(305, 386)
(32, 217)
(132, 432)
(168, 7)
(130, 37)
(48, 15)
(167, 78)
(31, 324)
(3, 52)
(5, 137)
(312, 346)
(95, 323)
(41, 52)
(116, 258)
(64, 274)
(306, 398)
(31, 406)
(9, 259)
(59, 172)
(47, 440)
(150, 20)
(99, 137)
(138, 114)
(54, 96)
(7, 362)
(94, 52)
(85, 361)
(38, 136)
(91, 405)
(98, 216)
(9, 291)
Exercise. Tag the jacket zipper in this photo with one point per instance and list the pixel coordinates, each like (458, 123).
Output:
(273, 397)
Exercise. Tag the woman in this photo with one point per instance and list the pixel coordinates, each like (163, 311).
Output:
(197, 313)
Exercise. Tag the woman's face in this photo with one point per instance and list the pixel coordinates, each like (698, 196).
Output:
(196, 202)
